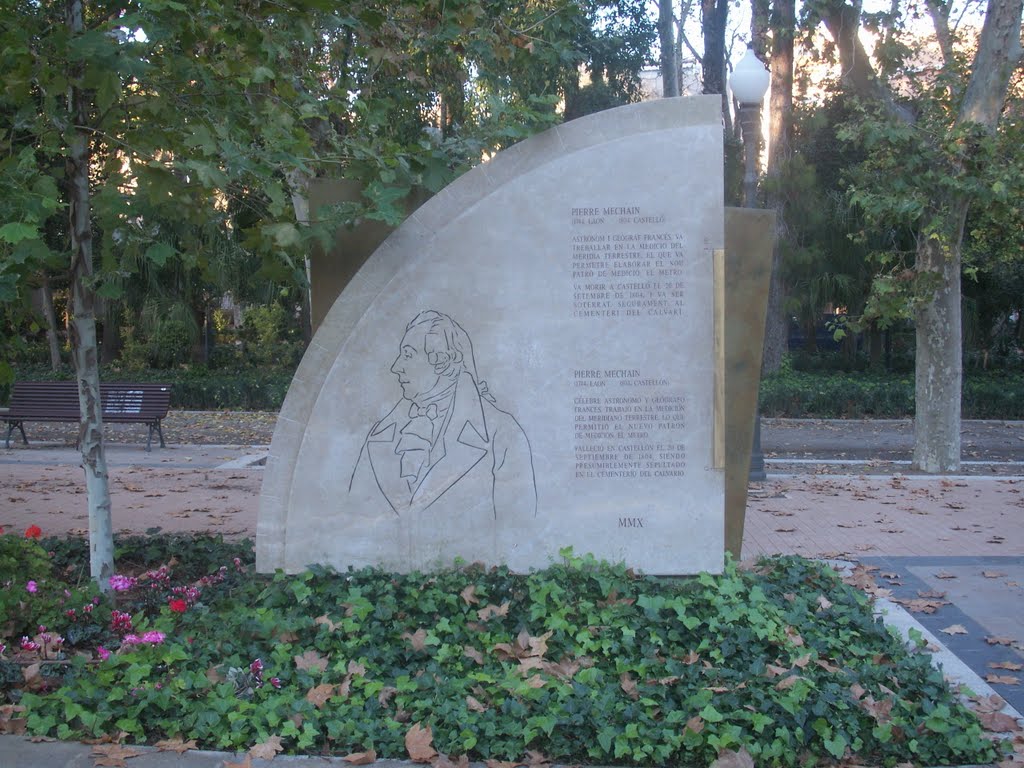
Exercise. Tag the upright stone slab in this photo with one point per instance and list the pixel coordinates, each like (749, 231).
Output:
(528, 363)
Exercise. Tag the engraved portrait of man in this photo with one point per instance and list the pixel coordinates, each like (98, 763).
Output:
(446, 442)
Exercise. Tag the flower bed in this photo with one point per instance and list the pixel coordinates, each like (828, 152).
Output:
(580, 662)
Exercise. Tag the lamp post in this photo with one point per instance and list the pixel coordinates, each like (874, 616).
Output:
(749, 83)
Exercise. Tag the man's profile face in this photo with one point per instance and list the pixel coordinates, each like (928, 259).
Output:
(414, 372)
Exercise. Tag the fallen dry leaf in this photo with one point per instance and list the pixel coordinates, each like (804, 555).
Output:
(535, 758)
(992, 574)
(469, 595)
(1010, 665)
(112, 755)
(803, 661)
(787, 682)
(944, 575)
(472, 653)
(246, 764)
(999, 640)
(320, 695)
(993, 703)
(729, 759)
(325, 621)
(493, 610)
(955, 629)
(9, 723)
(418, 639)
(1002, 679)
(311, 660)
(32, 674)
(695, 724)
(361, 758)
(774, 670)
(998, 722)
(445, 761)
(419, 744)
(823, 603)
(921, 605)
(474, 705)
(628, 685)
(266, 750)
(355, 669)
(176, 745)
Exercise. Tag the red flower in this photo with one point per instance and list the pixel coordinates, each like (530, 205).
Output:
(33, 532)
(178, 606)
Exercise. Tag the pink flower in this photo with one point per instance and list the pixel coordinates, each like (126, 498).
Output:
(276, 682)
(256, 668)
(130, 640)
(120, 583)
(28, 645)
(154, 637)
(120, 621)
(31, 587)
(102, 652)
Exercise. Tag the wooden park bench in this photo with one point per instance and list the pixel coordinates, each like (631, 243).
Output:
(58, 401)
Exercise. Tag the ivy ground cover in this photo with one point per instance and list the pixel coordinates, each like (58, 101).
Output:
(582, 662)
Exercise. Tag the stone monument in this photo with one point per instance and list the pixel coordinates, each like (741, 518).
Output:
(528, 363)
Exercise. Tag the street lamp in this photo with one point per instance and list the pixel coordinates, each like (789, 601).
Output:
(749, 83)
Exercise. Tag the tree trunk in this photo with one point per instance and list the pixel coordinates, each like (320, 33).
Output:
(843, 24)
(298, 186)
(50, 317)
(939, 359)
(875, 348)
(938, 362)
(84, 351)
(760, 12)
(713, 17)
(780, 132)
(669, 65)
(111, 336)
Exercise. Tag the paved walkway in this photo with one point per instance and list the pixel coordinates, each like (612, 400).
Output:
(835, 490)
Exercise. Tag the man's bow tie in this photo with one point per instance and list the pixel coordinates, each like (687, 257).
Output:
(418, 410)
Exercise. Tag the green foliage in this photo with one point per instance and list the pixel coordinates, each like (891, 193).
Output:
(205, 123)
(196, 388)
(18, 558)
(581, 661)
(34, 591)
(797, 394)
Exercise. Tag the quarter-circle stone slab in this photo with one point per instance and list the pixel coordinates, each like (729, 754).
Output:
(526, 364)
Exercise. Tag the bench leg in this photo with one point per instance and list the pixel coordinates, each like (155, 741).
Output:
(154, 426)
(10, 429)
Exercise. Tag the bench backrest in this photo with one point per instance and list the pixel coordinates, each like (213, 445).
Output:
(58, 400)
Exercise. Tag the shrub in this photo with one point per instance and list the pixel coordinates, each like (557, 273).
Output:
(791, 394)
(582, 661)
(252, 389)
